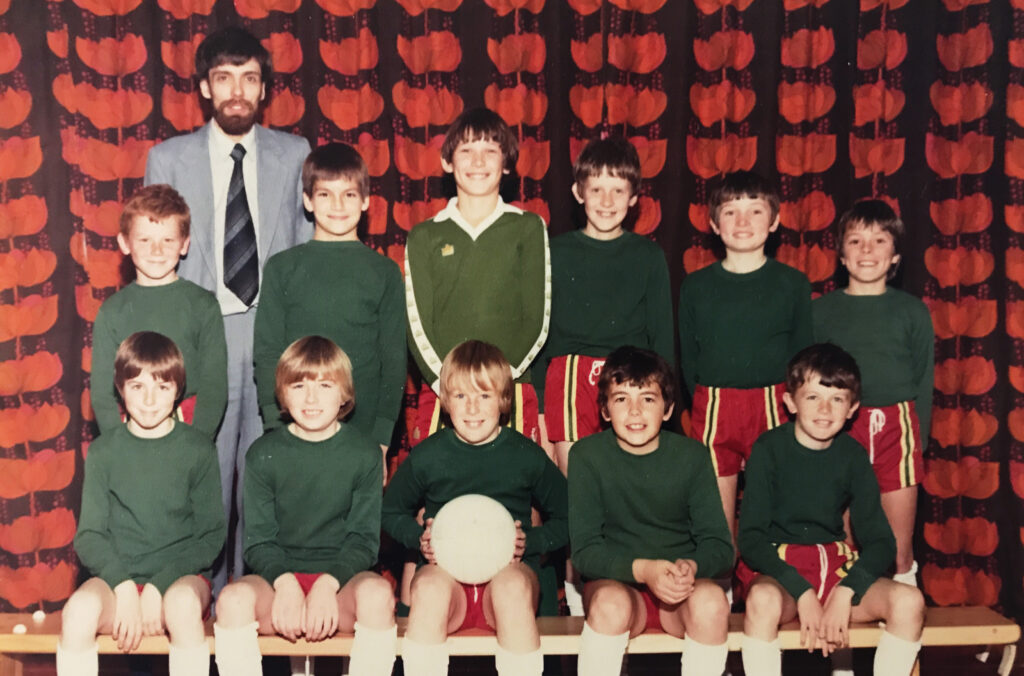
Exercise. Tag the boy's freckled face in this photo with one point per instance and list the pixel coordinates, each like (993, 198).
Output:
(606, 200)
(475, 413)
(636, 414)
(744, 224)
(149, 403)
(477, 167)
(336, 205)
(155, 246)
(868, 252)
(820, 412)
(313, 405)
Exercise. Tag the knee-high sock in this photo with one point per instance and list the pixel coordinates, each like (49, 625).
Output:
(573, 599)
(701, 659)
(238, 650)
(193, 660)
(601, 654)
(761, 658)
(373, 651)
(78, 662)
(424, 659)
(895, 656)
(519, 664)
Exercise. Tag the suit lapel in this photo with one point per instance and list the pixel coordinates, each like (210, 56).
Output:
(195, 163)
(272, 194)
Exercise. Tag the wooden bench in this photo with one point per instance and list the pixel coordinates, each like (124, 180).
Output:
(559, 636)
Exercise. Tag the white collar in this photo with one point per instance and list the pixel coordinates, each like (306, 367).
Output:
(221, 144)
(451, 212)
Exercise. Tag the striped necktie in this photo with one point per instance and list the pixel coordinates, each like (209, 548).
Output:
(241, 260)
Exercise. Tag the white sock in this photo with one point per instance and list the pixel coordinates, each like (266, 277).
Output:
(700, 658)
(909, 577)
(373, 651)
(238, 650)
(301, 665)
(761, 658)
(573, 599)
(895, 656)
(842, 662)
(424, 659)
(518, 664)
(193, 660)
(78, 662)
(601, 654)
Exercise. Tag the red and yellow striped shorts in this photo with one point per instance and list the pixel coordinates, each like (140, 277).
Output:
(570, 397)
(728, 421)
(891, 435)
(823, 566)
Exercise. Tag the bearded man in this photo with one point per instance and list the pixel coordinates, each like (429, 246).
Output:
(243, 186)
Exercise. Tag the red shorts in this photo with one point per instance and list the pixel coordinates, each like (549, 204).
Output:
(570, 397)
(523, 417)
(651, 604)
(823, 566)
(306, 580)
(728, 421)
(891, 435)
(474, 608)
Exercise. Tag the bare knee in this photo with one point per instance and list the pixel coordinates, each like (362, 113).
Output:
(80, 618)
(763, 605)
(236, 605)
(707, 613)
(906, 611)
(511, 589)
(611, 610)
(431, 589)
(182, 608)
(375, 602)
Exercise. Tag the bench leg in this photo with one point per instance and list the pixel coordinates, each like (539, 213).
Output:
(11, 665)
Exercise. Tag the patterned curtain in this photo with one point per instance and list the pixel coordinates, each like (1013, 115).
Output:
(919, 103)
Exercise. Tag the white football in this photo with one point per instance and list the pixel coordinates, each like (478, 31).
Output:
(473, 537)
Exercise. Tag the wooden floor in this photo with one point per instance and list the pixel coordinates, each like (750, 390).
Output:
(935, 662)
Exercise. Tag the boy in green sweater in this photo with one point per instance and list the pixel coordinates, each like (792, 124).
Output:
(154, 233)
(740, 320)
(151, 523)
(478, 269)
(337, 287)
(609, 287)
(801, 478)
(890, 334)
(646, 525)
(477, 454)
(312, 525)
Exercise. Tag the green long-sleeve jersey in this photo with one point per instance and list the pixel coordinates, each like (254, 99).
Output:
(892, 339)
(661, 505)
(312, 506)
(151, 508)
(187, 314)
(740, 330)
(797, 495)
(348, 293)
(606, 294)
(511, 469)
(491, 282)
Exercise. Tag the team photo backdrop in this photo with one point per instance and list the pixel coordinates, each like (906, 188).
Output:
(919, 102)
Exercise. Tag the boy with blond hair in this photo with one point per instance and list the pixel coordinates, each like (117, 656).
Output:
(337, 287)
(890, 334)
(740, 321)
(151, 523)
(479, 269)
(154, 233)
(312, 525)
(801, 478)
(646, 525)
(477, 454)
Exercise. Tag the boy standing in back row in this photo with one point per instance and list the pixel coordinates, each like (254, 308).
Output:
(740, 321)
(480, 269)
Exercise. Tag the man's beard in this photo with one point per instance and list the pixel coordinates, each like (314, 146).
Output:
(235, 125)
